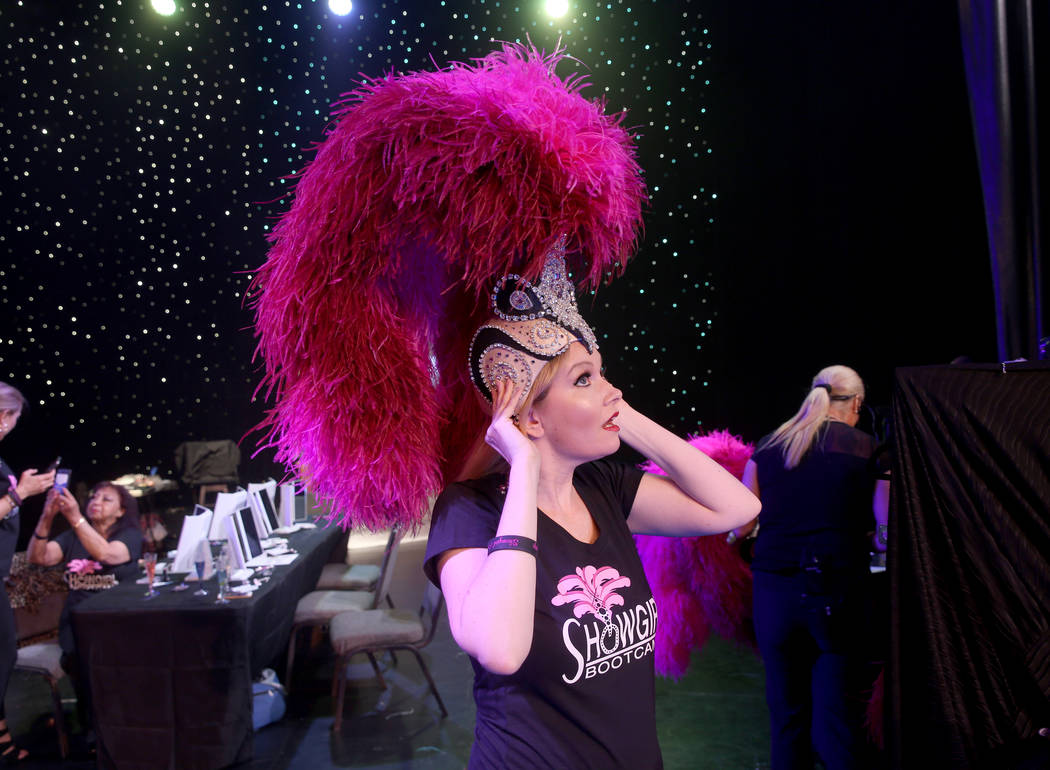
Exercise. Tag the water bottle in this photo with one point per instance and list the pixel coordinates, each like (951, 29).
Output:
(222, 573)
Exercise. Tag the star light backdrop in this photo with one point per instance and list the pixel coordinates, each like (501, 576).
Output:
(142, 162)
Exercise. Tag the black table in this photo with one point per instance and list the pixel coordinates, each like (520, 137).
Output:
(171, 676)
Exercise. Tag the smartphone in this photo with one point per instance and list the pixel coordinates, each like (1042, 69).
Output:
(54, 466)
(61, 479)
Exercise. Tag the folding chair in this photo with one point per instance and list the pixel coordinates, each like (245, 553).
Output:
(317, 608)
(373, 631)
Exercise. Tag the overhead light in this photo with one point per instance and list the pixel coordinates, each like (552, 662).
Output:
(557, 8)
(164, 7)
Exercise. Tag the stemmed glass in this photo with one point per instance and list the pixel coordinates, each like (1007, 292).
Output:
(201, 554)
(150, 560)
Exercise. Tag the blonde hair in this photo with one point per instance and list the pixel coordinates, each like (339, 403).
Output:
(796, 436)
(483, 459)
(542, 382)
(11, 400)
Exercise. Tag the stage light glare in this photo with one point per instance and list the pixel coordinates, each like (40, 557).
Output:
(340, 7)
(164, 7)
(557, 8)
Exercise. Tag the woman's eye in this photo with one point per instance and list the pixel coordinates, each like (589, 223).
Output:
(584, 379)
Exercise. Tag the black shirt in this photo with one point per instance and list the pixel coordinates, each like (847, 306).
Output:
(8, 525)
(821, 509)
(72, 549)
(585, 695)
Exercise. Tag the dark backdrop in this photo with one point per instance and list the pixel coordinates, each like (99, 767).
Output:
(854, 233)
(814, 200)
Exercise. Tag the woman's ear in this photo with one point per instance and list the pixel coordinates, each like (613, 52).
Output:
(531, 425)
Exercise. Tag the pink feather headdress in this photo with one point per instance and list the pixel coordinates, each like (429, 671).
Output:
(427, 188)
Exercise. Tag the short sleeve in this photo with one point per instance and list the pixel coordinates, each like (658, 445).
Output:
(132, 538)
(466, 515)
(65, 542)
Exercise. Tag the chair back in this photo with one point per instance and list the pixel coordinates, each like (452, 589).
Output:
(430, 612)
(386, 566)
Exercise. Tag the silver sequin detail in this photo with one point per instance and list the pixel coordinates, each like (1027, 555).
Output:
(519, 300)
(505, 363)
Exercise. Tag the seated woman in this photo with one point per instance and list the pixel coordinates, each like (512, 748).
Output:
(109, 535)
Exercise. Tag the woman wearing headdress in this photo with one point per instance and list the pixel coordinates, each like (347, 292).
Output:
(544, 586)
(821, 502)
(379, 325)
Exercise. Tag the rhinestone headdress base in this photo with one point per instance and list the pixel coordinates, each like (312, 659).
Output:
(531, 325)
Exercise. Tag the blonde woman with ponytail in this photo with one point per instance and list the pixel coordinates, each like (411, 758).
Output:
(821, 501)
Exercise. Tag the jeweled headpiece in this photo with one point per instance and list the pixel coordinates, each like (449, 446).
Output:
(532, 325)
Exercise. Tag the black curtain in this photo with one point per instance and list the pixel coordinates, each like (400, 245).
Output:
(1000, 51)
(969, 675)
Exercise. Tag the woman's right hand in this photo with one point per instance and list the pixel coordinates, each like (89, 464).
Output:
(503, 434)
(32, 483)
(51, 507)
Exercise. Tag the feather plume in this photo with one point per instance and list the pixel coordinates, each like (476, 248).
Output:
(427, 188)
(700, 583)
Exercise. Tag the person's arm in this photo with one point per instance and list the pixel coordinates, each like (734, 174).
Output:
(697, 497)
(750, 480)
(42, 551)
(880, 506)
(29, 483)
(491, 597)
(101, 550)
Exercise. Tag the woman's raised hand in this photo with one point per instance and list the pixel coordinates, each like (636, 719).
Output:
(52, 505)
(503, 434)
(69, 506)
(32, 483)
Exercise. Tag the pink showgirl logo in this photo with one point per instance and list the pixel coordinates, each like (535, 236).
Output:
(593, 590)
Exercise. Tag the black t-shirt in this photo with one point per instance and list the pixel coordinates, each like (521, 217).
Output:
(821, 509)
(8, 524)
(72, 549)
(584, 697)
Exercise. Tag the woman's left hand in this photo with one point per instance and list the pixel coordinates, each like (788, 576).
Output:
(69, 506)
(32, 483)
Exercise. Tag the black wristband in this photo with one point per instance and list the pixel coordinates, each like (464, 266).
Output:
(14, 497)
(513, 543)
(39, 537)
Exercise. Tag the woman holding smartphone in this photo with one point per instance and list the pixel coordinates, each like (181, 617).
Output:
(107, 532)
(13, 490)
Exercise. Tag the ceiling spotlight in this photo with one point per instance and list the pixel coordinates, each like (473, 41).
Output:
(557, 8)
(340, 7)
(164, 7)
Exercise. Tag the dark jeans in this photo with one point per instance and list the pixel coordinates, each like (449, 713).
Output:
(810, 630)
(8, 645)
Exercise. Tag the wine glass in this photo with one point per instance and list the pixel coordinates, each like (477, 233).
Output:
(150, 560)
(201, 554)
